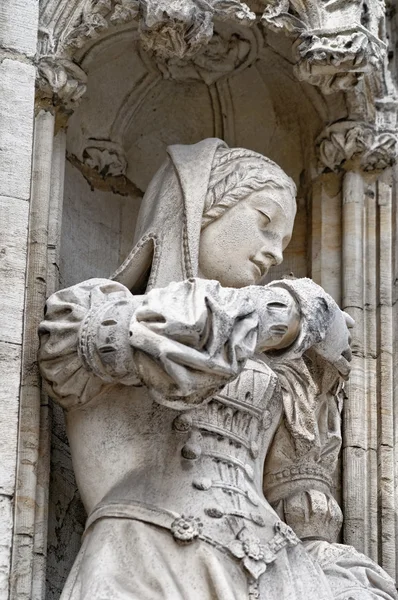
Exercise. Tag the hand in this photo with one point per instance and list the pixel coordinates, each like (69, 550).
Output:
(335, 347)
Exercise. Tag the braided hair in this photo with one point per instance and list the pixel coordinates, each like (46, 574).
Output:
(235, 174)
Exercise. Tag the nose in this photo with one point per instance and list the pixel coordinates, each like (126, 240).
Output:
(275, 253)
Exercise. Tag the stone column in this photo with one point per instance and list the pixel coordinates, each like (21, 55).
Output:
(361, 153)
(45, 218)
(18, 36)
(26, 502)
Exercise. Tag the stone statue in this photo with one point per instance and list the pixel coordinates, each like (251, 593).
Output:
(188, 386)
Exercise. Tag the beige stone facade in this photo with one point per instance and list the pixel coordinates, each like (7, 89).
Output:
(92, 92)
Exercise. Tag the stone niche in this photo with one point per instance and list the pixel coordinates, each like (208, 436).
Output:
(334, 133)
(243, 91)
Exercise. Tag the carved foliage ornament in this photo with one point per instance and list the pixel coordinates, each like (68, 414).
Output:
(336, 42)
(254, 555)
(346, 141)
(227, 52)
(168, 29)
(106, 157)
(181, 29)
(95, 17)
(61, 80)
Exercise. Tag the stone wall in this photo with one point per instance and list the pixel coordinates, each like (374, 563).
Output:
(18, 35)
(110, 96)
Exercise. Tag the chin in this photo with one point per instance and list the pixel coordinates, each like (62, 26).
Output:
(240, 281)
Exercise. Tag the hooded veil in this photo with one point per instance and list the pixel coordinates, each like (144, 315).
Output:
(166, 242)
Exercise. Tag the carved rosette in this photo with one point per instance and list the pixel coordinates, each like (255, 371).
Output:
(335, 43)
(348, 141)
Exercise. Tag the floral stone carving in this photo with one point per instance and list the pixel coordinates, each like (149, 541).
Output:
(186, 529)
(170, 30)
(255, 555)
(62, 81)
(349, 140)
(106, 157)
(228, 51)
(333, 47)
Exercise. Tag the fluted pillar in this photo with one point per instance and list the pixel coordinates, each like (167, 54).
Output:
(361, 155)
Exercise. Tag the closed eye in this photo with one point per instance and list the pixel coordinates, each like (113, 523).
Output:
(264, 218)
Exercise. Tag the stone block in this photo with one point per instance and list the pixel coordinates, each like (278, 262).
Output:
(17, 87)
(5, 544)
(18, 26)
(10, 368)
(13, 244)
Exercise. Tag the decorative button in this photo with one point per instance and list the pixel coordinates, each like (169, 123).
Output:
(191, 451)
(257, 519)
(182, 423)
(254, 449)
(203, 483)
(214, 512)
(186, 529)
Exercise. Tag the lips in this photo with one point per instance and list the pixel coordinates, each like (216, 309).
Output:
(262, 267)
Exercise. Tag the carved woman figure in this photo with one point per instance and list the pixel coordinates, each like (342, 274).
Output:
(171, 403)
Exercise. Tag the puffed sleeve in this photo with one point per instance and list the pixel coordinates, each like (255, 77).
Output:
(299, 474)
(73, 373)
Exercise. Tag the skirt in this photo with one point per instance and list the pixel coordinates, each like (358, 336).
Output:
(126, 559)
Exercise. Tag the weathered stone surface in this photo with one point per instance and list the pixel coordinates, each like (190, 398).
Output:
(6, 517)
(16, 31)
(141, 76)
(13, 241)
(97, 246)
(10, 367)
(16, 117)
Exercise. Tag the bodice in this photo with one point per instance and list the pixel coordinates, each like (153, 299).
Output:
(227, 440)
(204, 465)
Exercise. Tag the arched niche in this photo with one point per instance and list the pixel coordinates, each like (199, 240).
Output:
(133, 109)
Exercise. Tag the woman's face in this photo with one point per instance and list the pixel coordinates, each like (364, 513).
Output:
(239, 248)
